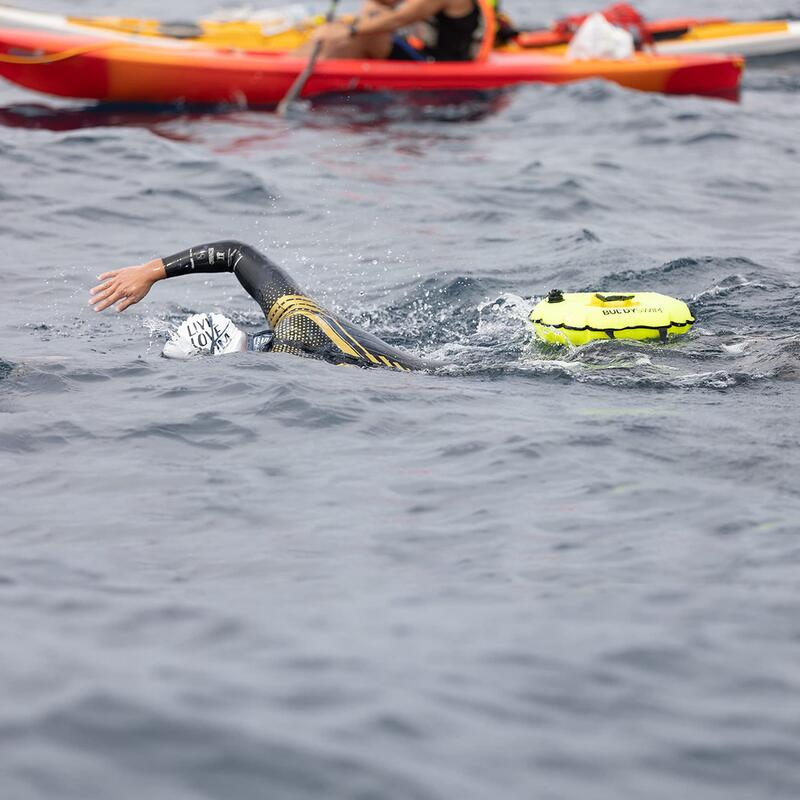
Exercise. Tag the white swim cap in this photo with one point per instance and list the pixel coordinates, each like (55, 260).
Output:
(209, 334)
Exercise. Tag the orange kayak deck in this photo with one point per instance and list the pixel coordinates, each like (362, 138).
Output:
(656, 28)
(113, 71)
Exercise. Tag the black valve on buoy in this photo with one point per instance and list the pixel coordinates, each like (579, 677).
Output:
(555, 296)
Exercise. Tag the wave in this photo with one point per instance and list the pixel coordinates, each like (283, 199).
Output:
(6, 368)
(194, 746)
(745, 333)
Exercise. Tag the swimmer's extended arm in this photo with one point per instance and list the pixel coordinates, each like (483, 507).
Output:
(262, 279)
(125, 286)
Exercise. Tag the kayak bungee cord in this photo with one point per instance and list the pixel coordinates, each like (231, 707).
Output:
(52, 58)
(300, 81)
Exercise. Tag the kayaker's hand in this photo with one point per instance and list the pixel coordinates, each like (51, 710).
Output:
(126, 286)
(331, 32)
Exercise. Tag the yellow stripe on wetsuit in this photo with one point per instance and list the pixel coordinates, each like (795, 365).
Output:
(289, 305)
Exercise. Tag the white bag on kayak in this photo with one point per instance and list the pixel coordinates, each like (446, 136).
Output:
(598, 38)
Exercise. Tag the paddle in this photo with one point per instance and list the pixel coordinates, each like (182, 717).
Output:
(300, 80)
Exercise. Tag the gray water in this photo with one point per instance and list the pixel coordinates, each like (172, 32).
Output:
(538, 574)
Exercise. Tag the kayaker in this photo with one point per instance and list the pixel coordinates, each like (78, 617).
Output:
(413, 30)
(297, 324)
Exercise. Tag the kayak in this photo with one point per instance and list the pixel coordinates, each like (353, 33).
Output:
(680, 37)
(559, 34)
(122, 71)
(279, 34)
(676, 36)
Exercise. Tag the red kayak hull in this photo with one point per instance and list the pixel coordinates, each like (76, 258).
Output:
(112, 71)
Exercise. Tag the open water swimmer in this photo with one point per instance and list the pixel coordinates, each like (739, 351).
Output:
(299, 326)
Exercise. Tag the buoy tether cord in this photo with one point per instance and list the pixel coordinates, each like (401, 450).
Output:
(52, 58)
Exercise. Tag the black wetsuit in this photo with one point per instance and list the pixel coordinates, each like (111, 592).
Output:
(299, 326)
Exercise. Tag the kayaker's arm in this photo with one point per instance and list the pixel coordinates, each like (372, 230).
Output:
(407, 13)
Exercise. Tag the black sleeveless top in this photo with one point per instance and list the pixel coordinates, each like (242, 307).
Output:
(454, 37)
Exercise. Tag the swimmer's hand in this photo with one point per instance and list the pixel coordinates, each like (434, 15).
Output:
(126, 286)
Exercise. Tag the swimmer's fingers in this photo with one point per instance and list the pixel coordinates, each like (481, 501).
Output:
(101, 293)
(123, 286)
(106, 303)
(114, 295)
(99, 288)
(112, 274)
(128, 301)
(131, 293)
(127, 297)
(109, 278)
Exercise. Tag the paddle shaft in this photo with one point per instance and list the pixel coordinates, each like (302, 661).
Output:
(300, 80)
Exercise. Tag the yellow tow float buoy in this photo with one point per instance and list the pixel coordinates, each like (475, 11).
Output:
(579, 317)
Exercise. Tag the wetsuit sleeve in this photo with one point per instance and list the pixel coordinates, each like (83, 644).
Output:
(260, 277)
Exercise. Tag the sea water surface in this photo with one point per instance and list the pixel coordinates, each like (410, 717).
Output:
(542, 573)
